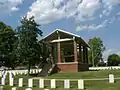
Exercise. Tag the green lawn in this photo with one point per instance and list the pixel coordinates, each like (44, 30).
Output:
(89, 85)
(85, 75)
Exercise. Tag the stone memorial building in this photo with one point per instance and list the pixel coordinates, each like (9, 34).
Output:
(69, 51)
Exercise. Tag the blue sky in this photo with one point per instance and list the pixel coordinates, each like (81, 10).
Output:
(87, 18)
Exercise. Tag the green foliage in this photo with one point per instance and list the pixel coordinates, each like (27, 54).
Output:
(95, 53)
(7, 46)
(29, 49)
(21, 47)
(113, 60)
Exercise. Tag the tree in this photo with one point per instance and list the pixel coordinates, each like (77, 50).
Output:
(113, 60)
(7, 45)
(96, 49)
(29, 48)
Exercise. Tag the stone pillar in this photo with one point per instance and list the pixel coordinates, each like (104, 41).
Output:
(58, 48)
(75, 50)
(80, 53)
(84, 56)
(86, 50)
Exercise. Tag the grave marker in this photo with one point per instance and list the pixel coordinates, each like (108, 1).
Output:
(11, 81)
(66, 84)
(30, 83)
(20, 83)
(111, 78)
(81, 84)
(28, 89)
(53, 84)
(14, 88)
(41, 83)
(1, 87)
(3, 81)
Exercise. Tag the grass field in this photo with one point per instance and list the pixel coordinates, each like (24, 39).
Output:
(89, 84)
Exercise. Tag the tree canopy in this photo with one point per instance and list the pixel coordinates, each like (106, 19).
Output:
(113, 60)
(29, 48)
(95, 53)
(21, 47)
(7, 46)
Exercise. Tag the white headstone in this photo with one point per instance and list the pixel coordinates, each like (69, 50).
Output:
(30, 83)
(36, 70)
(0, 74)
(41, 83)
(21, 72)
(11, 81)
(14, 88)
(20, 83)
(33, 71)
(80, 84)
(14, 73)
(1, 87)
(28, 89)
(4, 76)
(111, 78)
(10, 75)
(26, 72)
(3, 81)
(53, 84)
(30, 71)
(66, 84)
(40, 70)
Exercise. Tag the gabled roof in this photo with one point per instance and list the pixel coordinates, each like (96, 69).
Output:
(68, 33)
(65, 32)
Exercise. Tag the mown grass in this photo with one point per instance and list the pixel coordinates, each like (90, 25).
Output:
(85, 75)
(89, 85)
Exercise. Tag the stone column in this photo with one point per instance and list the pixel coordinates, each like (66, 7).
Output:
(59, 59)
(84, 56)
(86, 50)
(75, 50)
(80, 53)
(58, 48)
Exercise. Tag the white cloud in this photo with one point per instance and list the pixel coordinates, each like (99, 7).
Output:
(111, 2)
(107, 52)
(92, 27)
(106, 12)
(108, 6)
(8, 6)
(100, 15)
(112, 20)
(118, 53)
(87, 9)
(110, 51)
(118, 13)
(46, 11)
(15, 9)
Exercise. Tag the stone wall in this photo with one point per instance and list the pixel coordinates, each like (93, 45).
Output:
(68, 67)
(72, 67)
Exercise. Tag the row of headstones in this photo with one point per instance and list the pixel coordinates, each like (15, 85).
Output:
(52, 84)
(11, 79)
(32, 71)
(15, 88)
(16, 72)
(104, 68)
(41, 83)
